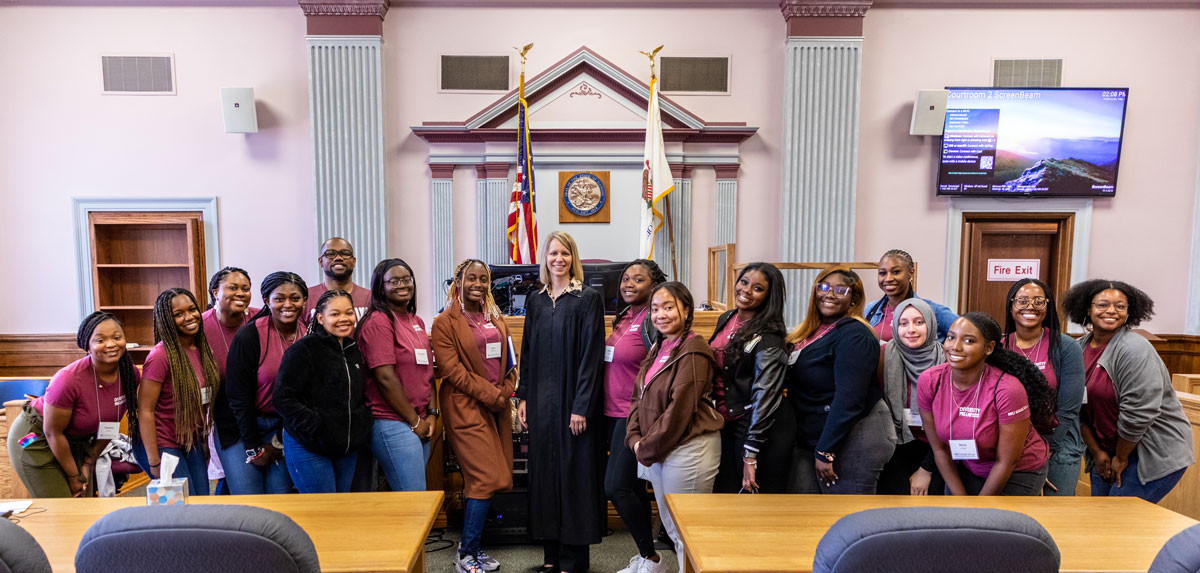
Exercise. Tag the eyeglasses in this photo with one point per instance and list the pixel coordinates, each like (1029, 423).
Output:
(406, 281)
(839, 290)
(1037, 302)
(332, 254)
(1105, 305)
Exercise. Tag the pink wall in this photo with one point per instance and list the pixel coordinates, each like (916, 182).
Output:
(62, 139)
(1142, 235)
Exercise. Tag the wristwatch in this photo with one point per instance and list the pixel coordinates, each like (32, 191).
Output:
(433, 412)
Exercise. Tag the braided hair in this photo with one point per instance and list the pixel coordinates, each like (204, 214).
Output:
(907, 260)
(379, 301)
(1049, 322)
(191, 420)
(316, 328)
(125, 370)
(454, 293)
(1042, 398)
(214, 283)
(268, 286)
(768, 318)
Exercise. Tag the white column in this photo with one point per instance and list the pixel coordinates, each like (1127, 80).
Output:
(726, 212)
(820, 157)
(492, 193)
(442, 227)
(345, 77)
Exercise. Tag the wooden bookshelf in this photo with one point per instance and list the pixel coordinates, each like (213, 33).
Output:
(137, 255)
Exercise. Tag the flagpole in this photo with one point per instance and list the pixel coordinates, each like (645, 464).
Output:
(671, 240)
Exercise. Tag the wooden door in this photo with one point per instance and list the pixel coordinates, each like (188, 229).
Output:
(991, 239)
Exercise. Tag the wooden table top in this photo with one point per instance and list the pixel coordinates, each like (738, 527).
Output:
(378, 531)
(736, 533)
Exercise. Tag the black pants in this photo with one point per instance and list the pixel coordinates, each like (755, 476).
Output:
(905, 461)
(622, 486)
(1019, 483)
(566, 557)
(774, 460)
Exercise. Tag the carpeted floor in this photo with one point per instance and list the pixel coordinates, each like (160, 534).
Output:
(611, 555)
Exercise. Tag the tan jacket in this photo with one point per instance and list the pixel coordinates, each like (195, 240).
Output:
(477, 415)
(676, 405)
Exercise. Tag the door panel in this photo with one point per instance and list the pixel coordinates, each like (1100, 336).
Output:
(1045, 237)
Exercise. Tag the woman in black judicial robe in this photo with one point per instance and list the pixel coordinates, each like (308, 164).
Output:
(561, 393)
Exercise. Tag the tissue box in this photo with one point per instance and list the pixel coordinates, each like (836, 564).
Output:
(173, 491)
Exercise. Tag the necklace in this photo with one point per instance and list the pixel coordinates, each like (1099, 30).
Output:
(295, 335)
(221, 329)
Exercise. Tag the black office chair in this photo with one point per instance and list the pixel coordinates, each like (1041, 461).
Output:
(933, 539)
(199, 538)
(1181, 554)
(19, 551)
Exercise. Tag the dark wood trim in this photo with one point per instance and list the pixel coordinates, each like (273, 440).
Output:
(1180, 352)
(36, 355)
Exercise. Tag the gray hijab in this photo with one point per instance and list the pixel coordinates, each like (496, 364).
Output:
(902, 365)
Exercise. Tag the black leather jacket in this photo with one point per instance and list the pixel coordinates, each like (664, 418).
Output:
(754, 383)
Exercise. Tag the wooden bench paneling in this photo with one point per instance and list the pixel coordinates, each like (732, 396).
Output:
(36, 355)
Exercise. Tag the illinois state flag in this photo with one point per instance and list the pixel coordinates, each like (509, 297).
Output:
(522, 208)
(657, 180)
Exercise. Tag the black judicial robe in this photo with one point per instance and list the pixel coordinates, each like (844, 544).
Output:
(562, 373)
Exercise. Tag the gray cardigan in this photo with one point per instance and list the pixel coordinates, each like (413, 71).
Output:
(1066, 443)
(1148, 411)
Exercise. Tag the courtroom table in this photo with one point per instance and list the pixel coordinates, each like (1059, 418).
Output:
(377, 531)
(762, 533)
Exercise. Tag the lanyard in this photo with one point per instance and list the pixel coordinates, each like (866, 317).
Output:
(96, 379)
(957, 407)
(221, 329)
(632, 321)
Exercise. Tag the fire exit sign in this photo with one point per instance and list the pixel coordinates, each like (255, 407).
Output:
(1008, 270)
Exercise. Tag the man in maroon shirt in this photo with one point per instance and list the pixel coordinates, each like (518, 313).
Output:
(337, 261)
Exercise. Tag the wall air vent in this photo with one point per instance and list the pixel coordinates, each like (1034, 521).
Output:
(695, 75)
(474, 74)
(139, 75)
(1026, 73)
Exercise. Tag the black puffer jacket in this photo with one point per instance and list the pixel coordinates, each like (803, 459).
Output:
(319, 393)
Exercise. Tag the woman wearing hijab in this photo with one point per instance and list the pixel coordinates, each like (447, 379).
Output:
(912, 349)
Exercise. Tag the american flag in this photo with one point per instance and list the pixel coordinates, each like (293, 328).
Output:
(522, 210)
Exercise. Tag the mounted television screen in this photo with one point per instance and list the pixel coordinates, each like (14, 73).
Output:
(1036, 142)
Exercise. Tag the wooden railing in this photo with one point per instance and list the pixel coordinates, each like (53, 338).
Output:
(720, 275)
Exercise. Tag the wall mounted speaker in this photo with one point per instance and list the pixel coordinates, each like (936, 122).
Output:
(929, 112)
(237, 106)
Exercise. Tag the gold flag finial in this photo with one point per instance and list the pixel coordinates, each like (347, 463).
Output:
(650, 55)
(523, 51)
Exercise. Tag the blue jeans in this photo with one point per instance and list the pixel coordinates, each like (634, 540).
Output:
(314, 473)
(401, 453)
(474, 517)
(1152, 491)
(248, 479)
(192, 465)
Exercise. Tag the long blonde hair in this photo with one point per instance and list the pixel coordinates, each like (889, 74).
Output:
(454, 294)
(812, 320)
(568, 242)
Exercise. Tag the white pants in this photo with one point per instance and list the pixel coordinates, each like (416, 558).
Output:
(690, 468)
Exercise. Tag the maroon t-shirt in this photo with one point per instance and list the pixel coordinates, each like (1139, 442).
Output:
(977, 413)
(74, 388)
(485, 332)
(627, 355)
(397, 343)
(719, 343)
(663, 356)
(884, 328)
(1100, 410)
(1038, 354)
(271, 346)
(360, 296)
(157, 368)
(220, 336)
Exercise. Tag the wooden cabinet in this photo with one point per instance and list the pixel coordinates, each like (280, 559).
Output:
(136, 256)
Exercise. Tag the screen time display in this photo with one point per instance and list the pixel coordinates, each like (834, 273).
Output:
(1032, 141)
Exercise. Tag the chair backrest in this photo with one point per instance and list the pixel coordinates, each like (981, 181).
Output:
(223, 538)
(19, 551)
(919, 539)
(1180, 554)
(17, 389)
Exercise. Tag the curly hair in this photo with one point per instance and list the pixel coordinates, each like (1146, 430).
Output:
(1077, 302)
(1042, 398)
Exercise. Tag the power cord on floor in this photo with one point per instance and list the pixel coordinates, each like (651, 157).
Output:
(435, 541)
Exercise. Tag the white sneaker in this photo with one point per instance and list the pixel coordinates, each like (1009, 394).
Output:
(635, 565)
(651, 566)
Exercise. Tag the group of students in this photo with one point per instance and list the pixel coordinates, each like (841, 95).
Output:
(900, 396)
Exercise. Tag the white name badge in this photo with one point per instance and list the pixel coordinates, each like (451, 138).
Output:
(792, 358)
(422, 356)
(205, 395)
(108, 430)
(493, 350)
(963, 450)
(911, 419)
(609, 351)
